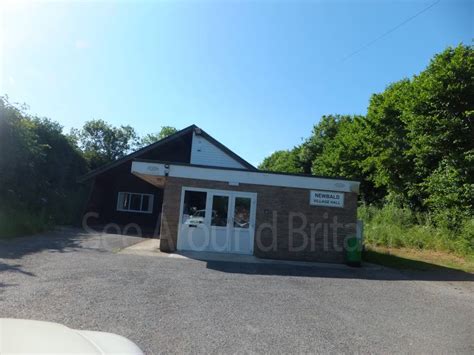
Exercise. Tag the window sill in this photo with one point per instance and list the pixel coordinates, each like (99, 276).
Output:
(134, 211)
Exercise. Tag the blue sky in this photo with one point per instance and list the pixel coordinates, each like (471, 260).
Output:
(257, 75)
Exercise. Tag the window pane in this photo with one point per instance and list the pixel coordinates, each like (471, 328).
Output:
(135, 202)
(242, 212)
(219, 210)
(145, 203)
(126, 201)
(194, 209)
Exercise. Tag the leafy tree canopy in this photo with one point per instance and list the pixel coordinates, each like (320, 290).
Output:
(39, 166)
(102, 143)
(413, 148)
(283, 160)
(151, 138)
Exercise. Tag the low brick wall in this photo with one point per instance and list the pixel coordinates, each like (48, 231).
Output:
(318, 233)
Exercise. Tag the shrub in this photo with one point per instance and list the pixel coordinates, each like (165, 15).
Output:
(18, 223)
(396, 227)
(39, 166)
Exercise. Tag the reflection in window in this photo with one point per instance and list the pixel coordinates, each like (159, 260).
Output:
(134, 202)
(145, 202)
(242, 212)
(194, 209)
(219, 210)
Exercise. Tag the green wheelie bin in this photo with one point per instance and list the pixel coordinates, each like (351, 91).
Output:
(353, 251)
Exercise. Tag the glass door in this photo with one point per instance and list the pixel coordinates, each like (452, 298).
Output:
(243, 223)
(219, 229)
(194, 226)
(217, 221)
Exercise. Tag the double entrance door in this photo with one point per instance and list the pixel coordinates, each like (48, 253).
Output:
(217, 221)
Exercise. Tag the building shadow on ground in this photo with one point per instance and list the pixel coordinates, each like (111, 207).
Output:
(411, 270)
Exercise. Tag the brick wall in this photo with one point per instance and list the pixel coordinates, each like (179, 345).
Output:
(319, 239)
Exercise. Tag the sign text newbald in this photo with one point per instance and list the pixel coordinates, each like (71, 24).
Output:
(326, 198)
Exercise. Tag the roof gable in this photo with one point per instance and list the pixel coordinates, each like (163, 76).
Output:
(152, 151)
(203, 152)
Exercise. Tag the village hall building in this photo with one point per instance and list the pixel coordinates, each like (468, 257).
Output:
(195, 194)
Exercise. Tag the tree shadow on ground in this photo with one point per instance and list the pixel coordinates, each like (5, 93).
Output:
(62, 241)
(59, 242)
(412, 270)
(14, 268)
(4, 285)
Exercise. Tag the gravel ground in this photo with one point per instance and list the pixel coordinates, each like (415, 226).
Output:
(169, 305)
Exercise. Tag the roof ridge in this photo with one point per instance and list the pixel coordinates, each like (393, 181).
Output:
(132, 155)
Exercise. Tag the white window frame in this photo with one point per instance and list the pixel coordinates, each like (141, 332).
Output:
(150, 202)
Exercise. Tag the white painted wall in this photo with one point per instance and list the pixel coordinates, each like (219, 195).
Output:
(204, 152)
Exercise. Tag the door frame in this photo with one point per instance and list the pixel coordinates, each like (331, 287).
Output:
(232, 194)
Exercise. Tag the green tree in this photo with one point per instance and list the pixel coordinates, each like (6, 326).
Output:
(385, 143)
(450, 195)
(151, 138)
(39, 166)
(283, 161)
(422, 127)
(441, 135)
(441, 131)
(20, 157)
(102, 143)
(323, 132)
(413, 149)
(344, 155)
(441, 119)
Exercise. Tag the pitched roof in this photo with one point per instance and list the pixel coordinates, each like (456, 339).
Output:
(161, 142)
